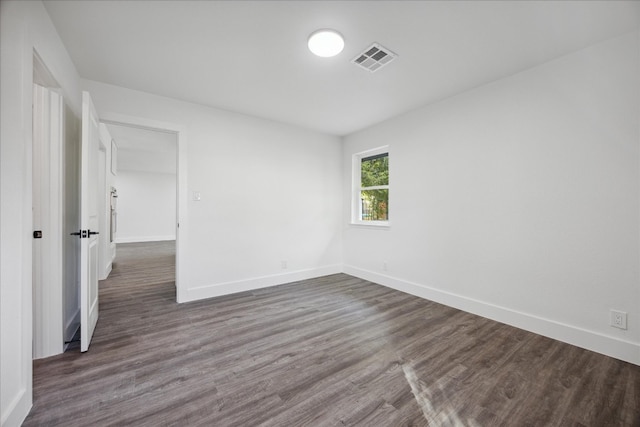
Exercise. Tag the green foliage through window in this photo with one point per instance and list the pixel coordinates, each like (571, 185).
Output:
(374, 170)
(374, 174)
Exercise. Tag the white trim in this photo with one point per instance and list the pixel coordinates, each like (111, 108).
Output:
(104, 213)
(356, 189)
(374, 187)
(72, 326)
(382, 225)
(219, 289)
(17, 411)
(610, 346)
(47, 185)
(114, 158)
(136, 239)
(108, 268)
(16, 220)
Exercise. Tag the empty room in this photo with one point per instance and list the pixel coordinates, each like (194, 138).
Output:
(319, 213)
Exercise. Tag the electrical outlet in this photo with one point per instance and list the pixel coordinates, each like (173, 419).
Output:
(283, 263)
(618, 319)
(384, 266)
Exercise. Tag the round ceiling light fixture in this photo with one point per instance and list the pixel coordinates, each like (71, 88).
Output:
(326, 43)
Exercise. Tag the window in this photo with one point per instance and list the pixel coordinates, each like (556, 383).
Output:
(371, 187)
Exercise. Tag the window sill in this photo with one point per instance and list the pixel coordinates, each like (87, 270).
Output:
(374, 225)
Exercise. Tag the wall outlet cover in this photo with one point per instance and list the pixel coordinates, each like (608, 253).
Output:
(618, 319)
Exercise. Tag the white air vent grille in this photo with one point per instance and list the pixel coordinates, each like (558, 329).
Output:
(374, 57)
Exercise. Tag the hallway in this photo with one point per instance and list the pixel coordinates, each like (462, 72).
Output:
(141, 283)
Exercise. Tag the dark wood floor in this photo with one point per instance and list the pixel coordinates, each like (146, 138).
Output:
(332, 351)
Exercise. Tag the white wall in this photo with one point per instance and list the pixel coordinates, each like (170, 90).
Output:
(24, 26)
(519, 200)
(269, 193)
(146, 206)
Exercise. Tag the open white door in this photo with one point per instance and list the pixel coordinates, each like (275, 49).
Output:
(89, 225)
(48, 333)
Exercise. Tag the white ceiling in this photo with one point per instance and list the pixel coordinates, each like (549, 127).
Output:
(144, 150)
(251, 56)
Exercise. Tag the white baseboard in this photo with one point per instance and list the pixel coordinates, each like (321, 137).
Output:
(107, 270)
(610, 346)
(137, 239)
(16, 412)
(219, 289)
(72, 325)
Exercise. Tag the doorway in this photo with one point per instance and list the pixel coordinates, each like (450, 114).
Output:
(145, 178)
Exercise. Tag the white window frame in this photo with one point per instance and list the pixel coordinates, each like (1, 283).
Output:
(356, 171)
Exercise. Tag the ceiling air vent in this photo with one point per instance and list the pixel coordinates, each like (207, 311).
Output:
(374, 57)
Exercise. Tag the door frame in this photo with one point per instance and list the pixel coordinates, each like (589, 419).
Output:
(182, 225)
(47, 197)
(104, 267)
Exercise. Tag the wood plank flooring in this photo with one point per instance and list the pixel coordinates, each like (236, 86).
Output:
(333, 351)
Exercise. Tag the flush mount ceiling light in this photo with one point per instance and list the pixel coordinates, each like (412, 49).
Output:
(326, 43)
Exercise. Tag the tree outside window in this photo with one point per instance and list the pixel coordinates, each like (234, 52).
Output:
(373, 192)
